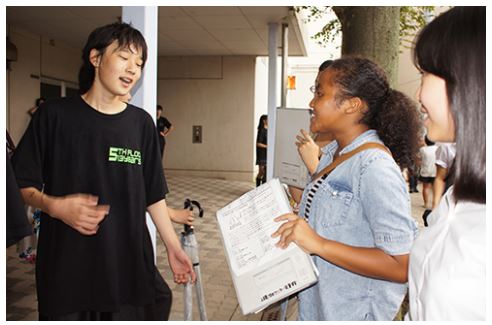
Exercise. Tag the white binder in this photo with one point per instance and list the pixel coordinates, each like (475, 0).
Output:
(261, 272)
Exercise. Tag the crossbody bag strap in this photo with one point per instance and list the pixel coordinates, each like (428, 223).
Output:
(340, 159)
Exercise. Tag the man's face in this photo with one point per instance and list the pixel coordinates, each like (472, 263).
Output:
(118, 69)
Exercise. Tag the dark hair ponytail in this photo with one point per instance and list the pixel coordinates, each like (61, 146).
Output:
(391, 113)
(397, 123)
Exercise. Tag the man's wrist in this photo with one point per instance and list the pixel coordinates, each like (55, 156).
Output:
(47, 204)
(172, 246)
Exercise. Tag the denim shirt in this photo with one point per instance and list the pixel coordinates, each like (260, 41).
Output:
(363, 203)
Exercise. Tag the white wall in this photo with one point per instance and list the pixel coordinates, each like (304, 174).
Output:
(408, 75)
(305, 77)
(37, 57)
(22, 89)
(217, 93)
(60, 61)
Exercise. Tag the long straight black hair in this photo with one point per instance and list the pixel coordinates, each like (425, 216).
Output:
(452, 47)
(261, 123)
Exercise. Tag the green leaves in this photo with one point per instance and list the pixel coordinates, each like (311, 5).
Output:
(412, 19)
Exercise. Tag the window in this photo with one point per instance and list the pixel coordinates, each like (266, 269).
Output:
(54, 88)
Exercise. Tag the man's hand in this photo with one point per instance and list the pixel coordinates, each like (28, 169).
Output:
(181, 266)
(79, 211)
(308, 150)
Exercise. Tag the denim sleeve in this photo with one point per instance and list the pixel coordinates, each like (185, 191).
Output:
(386, 205)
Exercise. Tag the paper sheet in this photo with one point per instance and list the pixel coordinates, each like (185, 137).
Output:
(247, 225)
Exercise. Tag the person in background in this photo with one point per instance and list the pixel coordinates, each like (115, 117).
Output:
(427, 174)
(164, 127)
(447, 272)
(126, 98)
(26, 248)
(18, 226)
(413, 179)
(261, 149)
(445, 154)
(37, 103)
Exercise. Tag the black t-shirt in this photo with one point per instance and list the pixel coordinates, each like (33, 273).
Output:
(162, 124)
(72, 148)
(261, 137)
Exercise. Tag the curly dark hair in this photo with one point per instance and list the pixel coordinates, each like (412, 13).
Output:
(391, 113)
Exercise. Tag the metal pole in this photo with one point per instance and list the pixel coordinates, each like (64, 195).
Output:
(285, 55)
(272, 94)
(190, 246)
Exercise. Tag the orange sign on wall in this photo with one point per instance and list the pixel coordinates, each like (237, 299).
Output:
(291, 82)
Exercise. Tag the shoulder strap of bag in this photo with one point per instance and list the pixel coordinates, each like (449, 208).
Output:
(340, 159)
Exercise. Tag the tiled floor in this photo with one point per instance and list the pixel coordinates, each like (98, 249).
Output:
(220, 297)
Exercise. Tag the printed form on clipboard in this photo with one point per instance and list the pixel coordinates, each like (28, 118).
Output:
(262, 273)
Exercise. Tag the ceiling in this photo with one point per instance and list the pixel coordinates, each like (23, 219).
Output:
(181, 30)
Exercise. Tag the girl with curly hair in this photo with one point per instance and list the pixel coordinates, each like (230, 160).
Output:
(355, 219)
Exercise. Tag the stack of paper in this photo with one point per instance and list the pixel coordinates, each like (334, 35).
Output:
(262, 273)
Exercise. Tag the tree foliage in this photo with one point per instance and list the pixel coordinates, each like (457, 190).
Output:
(411, 20)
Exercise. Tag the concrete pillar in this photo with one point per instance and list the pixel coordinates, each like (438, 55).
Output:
(285, 55)
(272, 95)
(144, 94)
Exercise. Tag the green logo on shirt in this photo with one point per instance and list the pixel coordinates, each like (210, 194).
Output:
(123, 155)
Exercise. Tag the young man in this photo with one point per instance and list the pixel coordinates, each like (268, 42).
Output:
(164, 127)
(97, 160)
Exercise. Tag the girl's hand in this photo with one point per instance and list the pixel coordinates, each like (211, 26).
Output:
(182, 216)
(308, 150)
(297, 230)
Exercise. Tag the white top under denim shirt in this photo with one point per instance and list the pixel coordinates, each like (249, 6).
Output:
(364, 203)
(447, 264)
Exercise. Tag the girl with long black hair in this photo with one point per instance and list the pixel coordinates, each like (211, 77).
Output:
(447, 262)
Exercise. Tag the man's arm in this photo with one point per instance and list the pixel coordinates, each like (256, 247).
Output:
(168, 130)
(178, 260)
(79, 211)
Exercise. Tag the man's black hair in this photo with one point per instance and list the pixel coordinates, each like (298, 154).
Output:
(100, 39)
